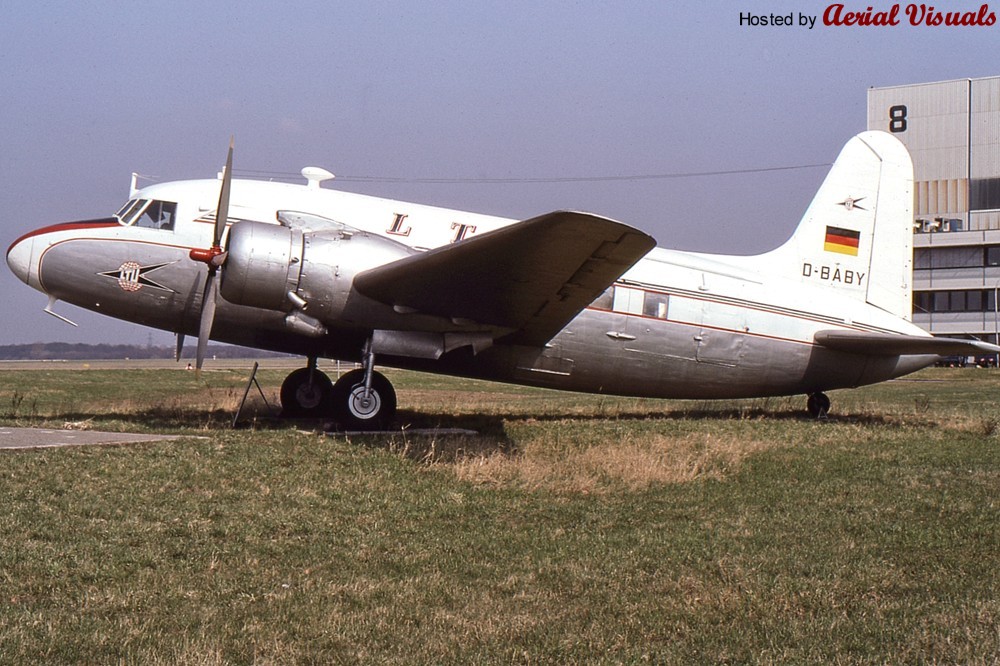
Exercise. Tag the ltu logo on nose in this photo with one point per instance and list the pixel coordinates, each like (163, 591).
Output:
(128, 276)
(133, 277)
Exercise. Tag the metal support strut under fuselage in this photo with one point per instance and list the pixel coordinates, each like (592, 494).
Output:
(368, 365)
(311, 364)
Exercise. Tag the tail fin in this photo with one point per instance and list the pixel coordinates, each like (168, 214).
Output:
(857, 234)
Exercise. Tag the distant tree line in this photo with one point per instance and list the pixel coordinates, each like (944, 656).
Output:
(41, 351)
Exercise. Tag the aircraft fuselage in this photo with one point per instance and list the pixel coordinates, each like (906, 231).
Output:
(675, 325)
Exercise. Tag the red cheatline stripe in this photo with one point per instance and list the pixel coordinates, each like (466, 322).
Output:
(67, 226)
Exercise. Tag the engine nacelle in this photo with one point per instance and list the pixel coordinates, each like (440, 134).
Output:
(307, 274)
(262, 266)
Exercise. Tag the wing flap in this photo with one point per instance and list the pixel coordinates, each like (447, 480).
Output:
(890, 344)
(532, 277)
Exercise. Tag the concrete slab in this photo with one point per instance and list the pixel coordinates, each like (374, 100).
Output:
(44, 438)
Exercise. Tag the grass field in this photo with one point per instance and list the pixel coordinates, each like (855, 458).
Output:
(572, 529)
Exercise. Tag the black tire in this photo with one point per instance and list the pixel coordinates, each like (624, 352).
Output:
(349, 408)
(306, 393)
(818, 405)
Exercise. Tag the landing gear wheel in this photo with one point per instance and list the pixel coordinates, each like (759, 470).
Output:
(818, 405)
(306, 393)
(353, 411)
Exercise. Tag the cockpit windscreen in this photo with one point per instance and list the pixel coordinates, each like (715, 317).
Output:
(151, 214)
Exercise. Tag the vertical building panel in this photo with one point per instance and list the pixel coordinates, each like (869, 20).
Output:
(932, 120)
(985, 128)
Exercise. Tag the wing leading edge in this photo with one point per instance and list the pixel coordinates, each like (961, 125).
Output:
(888, 344)
(531, 277)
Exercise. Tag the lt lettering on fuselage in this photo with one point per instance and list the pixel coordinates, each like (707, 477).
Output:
(462, 231)
(832, 274)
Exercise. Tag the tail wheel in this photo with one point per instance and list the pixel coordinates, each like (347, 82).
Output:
(306, 393)
(818, 405)
(356, 411)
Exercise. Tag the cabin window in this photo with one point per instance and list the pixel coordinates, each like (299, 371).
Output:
(628, 300)
(655, 305)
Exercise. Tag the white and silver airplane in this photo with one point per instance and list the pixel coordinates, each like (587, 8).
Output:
(565, 300)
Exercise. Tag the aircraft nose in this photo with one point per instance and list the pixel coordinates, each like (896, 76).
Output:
(19, 258)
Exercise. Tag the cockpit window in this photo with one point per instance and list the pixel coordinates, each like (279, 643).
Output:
(149, 214)
(128, 212)
(158, 215)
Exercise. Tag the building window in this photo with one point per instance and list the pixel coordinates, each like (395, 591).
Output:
(925, 258)
(984, 194)
(970, 300)
(940, 302)
(922, 301)
(974, 301)
(993, 255)
(956, 301)
(957, 257)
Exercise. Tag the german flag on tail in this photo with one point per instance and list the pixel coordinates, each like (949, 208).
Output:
(843, 241)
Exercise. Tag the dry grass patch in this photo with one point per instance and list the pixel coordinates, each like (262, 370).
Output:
(631, 464)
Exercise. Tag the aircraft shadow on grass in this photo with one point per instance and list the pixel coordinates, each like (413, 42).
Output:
(434, 437)
(487, 425)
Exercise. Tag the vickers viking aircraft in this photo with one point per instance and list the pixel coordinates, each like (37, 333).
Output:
(566, 300)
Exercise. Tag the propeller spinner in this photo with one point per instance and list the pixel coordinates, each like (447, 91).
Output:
(214, 257)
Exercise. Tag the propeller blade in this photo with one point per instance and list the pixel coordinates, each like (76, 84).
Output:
(207, 318)
(222, 212)
(214, 257)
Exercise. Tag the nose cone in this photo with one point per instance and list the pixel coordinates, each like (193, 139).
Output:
(19, 258)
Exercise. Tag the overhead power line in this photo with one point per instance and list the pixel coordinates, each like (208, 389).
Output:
(531, 180)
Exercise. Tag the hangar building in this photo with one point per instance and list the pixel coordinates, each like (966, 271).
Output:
(952, 130)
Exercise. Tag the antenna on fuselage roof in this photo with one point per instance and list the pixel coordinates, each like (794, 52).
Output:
(134, 185)
(316, 175)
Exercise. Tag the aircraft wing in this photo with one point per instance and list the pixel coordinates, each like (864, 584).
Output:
(531, 277)
(889, 344)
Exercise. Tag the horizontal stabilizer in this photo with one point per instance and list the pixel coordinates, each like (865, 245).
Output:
(531, 277)
(890, 344)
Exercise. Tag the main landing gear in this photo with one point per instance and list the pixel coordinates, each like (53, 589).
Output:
(818, 405)
(361, 399)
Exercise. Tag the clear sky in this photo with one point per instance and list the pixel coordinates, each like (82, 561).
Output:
(90, 92)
